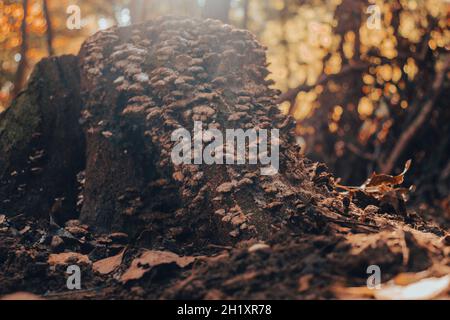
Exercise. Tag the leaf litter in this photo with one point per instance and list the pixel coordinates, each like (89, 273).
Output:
(382, 186)
(108, 265)
(152, 258)
(413, 258)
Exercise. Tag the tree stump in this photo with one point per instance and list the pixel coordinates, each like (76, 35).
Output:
(137, 85)
(141, 83)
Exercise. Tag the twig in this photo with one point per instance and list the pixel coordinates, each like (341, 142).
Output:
(216, 246)
(354, 223)
(70, 293)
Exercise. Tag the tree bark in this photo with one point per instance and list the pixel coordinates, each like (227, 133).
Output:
(41, 142)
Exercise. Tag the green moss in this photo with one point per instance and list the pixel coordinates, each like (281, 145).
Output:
(20, 122)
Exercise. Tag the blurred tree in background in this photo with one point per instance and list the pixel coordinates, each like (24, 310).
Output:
(366, 80)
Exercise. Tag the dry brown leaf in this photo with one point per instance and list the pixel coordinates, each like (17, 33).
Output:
(21, 296)
(304, 282)
(383, 187)
(425, 289)
(152, 258)
(108, 265)
(380, 182)
(258, 247)
(406, 278)
(2, 218)
(68, 258)
(386, 180)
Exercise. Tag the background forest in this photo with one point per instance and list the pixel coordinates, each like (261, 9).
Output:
(366, 81)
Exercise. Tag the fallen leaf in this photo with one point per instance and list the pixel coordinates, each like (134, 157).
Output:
(68, 258)
(258, 246)
(2, 218)
(21, 296)
(77, 231)
(383, 188)
(384, 179)
(108, 265)
(425, 289)
(406, 278)
(150, 259)
(304, 282)
(25, 230)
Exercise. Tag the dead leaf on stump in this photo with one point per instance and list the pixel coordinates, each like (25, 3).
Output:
(150, 259)
(108, 265)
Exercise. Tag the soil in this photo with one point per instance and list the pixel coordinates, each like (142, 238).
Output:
(286, 267)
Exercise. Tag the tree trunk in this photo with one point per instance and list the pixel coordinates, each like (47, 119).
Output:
(49, 33)
(21, 68)
(41, 142)
(217, 9)
(137, 9)
(246, 7)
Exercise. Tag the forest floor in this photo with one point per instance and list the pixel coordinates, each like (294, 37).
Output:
(35, 255)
